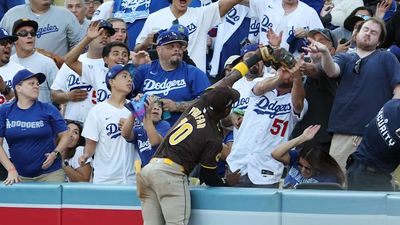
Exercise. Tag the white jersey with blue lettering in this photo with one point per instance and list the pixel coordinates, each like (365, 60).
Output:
(67, 80)
(244, 87)
(114, 157)
(268, 122)
(198, 21)
(96, 76)
(272, 15)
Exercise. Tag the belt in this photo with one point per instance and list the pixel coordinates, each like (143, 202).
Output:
(168, 162)
(357, 163)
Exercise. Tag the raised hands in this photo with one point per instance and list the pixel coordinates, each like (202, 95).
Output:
(274, 39)
(94, 30)
(310, 132)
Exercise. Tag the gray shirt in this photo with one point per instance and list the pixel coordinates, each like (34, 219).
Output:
(39, 63)
(58, 32)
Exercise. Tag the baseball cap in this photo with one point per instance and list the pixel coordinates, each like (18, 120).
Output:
(5, 35)
(178, 28)
(26, 74)
(232, 60)
(351, 21)
(116, 69)
(248, 48)
(107, 26)
(171, 36)
(24, 22)
(395, 50)
(220, 98)
(324, 32)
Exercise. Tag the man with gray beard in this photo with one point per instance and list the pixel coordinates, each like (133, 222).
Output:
(176, 82)
(368, 79)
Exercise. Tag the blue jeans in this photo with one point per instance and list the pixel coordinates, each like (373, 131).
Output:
(366, 178)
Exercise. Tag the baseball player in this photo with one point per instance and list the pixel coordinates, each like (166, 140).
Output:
(197, 20)
(196, 137)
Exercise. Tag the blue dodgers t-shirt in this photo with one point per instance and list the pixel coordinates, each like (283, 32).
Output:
(142, 143)
(30, 134)
(360, 95)
(380, 146)
(182, 84)
(294, 176)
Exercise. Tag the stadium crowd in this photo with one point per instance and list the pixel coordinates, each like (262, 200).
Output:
(123, 91)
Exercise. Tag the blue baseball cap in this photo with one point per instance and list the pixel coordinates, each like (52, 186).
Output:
(180, 29)
(248, 48)
(26, 74)
(169, 36)
(5, 35)
(116, 69)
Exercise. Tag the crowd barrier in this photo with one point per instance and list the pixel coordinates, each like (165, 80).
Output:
(78, 203)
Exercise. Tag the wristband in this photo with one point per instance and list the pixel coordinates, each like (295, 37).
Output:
(242, 68)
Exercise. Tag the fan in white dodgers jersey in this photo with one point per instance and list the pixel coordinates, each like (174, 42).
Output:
(287, 16)
(113, 53)
(275, 106)
(197, 20)
(114, 159)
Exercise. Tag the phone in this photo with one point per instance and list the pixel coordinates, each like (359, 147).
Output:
(343, 40)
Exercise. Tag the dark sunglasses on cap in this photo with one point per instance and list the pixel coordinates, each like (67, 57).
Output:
(5, 42)
(25, 33)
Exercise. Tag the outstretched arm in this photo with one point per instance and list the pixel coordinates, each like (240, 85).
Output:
(281, 153)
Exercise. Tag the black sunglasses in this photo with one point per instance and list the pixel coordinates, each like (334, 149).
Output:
(5, 42)
(357, 66)
(24, 33)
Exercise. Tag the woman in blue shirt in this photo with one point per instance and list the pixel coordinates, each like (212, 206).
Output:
(309, 165)
(31, 128)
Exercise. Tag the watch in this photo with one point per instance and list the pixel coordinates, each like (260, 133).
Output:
(58, 154)
(66, 163)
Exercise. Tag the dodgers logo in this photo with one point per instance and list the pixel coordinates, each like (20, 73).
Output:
(241, 103)
(164, 87)
(73, 80)
(102, 95)
(232, 16)
(131, 10)
(254, 28)
(192, 28)
(46, 30)
(266, 24)
(265, 107)
(113, 130)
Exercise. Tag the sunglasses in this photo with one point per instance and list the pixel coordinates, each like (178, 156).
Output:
(5, 42)
(25, 33)
(357, 66)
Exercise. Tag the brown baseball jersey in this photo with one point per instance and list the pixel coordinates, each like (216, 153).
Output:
(194, 139)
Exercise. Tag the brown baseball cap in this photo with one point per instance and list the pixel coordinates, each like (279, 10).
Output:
(221, 98)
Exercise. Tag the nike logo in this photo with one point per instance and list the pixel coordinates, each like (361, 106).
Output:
(108, 117)
(153, 73)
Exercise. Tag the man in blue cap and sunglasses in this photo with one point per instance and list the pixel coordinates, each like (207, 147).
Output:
(169, 77)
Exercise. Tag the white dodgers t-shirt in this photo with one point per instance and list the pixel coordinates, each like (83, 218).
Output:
(114, 157)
